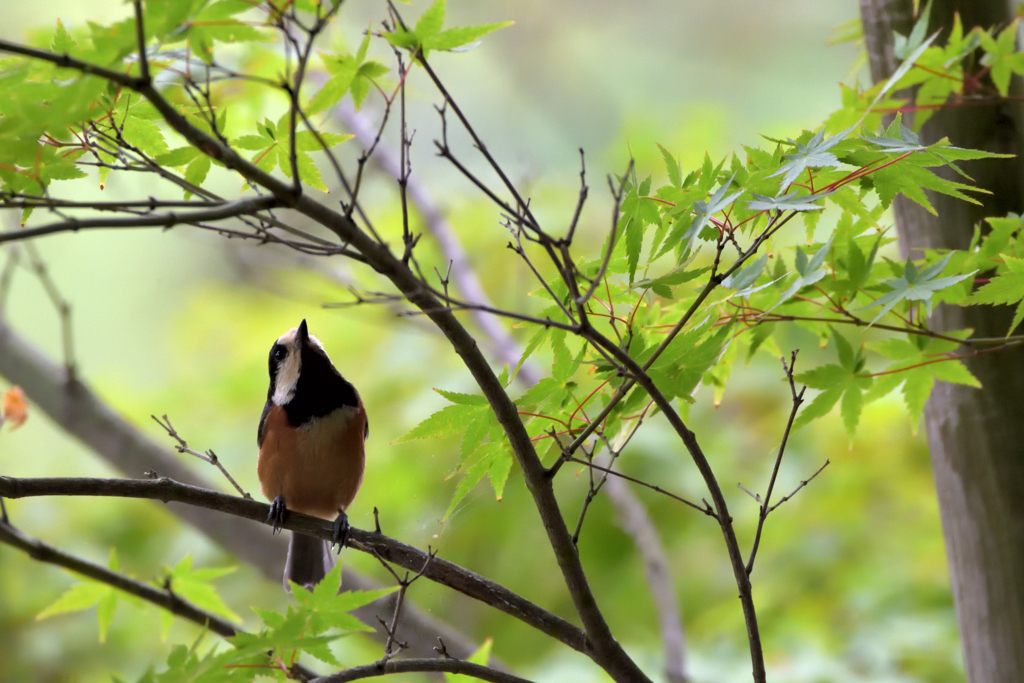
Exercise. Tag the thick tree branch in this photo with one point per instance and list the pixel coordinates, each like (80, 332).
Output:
(437, 570)
(635, 520)
(407, 666)
(77, 410)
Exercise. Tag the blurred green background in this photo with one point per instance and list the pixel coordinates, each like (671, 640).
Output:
(851, 583)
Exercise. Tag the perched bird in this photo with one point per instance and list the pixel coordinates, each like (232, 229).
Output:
(311, 439)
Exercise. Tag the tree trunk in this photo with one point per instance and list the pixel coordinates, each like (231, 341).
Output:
(976, 436)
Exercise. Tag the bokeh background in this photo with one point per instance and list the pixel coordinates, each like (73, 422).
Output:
(851, 583)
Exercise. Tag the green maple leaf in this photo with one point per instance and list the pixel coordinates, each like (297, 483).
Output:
(327, 608)
(704, 210)
(916, 285)
(1001, 57)
(743, 280)
(793, 201)
(904, 46)
(219, 23)
(349, 73)
(907, 141)
(194, 585)
(813, 154)
(1006, 288)
(85, 595)
(843, 382)
(449, 421)
(918, 364)
(62, 42)
(472, 417)
(675, 174)
(427, 35)
(271, 144)
(493, 460)
(808, 271)
(482, 656)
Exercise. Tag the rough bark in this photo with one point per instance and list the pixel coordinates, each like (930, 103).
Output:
(976, 436)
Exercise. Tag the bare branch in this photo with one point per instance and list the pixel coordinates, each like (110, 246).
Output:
(721, 509)
(392, 646)
(233, 209)
(26, 201)
(463, 274)
(61, 305)
(437, 570)
(522, 204)
(69, 62)
(404, 666)
(798, 399)
(584, 190)
(7, 275)
(636, 522)
(706, 510)
(617, 196)
(44, 552)
(140, 37)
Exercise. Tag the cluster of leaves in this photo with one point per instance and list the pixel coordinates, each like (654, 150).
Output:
(56, 122)
(971, 67)
(430, 34)
(869, 309)
(193, 585)
(310, 624)
(53, 120)
(484, 450)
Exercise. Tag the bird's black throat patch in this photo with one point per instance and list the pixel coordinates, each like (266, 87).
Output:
(320, 390)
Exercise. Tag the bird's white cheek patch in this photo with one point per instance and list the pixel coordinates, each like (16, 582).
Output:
(287, 377)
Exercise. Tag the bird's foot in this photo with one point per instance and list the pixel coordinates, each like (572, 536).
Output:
(339, 535)
(278, 513)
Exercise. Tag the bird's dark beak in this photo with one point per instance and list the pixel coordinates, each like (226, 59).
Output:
(303, 333)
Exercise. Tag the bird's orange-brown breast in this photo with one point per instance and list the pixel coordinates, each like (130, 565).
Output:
(316, 467)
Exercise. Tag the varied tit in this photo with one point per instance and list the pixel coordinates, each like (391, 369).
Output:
(311, 439)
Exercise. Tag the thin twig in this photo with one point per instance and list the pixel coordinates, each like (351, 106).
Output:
(233, 209)
(61, 305)
(706, 510)
(209, 456)
(140, 37)
(797, 399)
(803, 483)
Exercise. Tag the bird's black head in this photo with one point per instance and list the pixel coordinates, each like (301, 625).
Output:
(302, 378)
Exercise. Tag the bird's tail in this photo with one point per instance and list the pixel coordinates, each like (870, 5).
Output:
(309, 560)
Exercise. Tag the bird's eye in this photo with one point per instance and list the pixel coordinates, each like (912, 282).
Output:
(279, 353)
